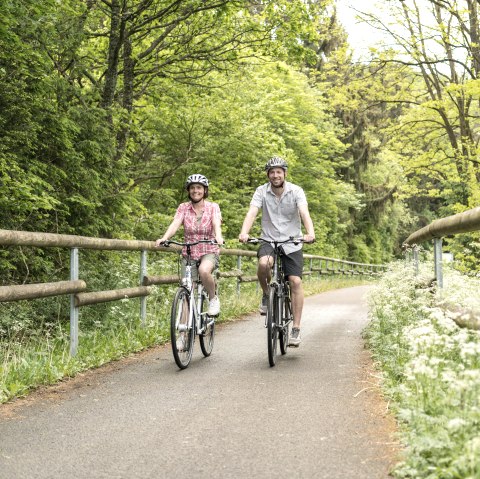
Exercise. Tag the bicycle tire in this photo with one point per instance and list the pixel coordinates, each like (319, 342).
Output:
(179, 316)
(208, 322)
(285, 321)
(272, 330)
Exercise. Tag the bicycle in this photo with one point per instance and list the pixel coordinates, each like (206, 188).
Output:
(189, 316)
(279, 315)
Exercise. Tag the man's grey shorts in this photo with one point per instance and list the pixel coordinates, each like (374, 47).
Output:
(292, 263)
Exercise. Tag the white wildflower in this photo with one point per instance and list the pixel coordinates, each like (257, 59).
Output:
(456, 423)
(469, 349)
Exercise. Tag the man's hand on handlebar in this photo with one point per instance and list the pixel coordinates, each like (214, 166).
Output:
(308, 238)
(243, 237)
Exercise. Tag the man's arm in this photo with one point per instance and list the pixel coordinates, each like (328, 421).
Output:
(248, 223)
(309, 237)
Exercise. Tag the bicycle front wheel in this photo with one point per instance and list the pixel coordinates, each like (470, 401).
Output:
(208, 334)
(286, 321)
(182, 334)
(272, 330)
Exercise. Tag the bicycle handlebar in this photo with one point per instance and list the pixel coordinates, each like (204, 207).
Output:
(293, 240)
(168, 242)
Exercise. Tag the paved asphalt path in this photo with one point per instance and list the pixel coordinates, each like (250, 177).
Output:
(316, 414)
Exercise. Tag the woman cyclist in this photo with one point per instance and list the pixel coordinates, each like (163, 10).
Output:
(201, 219)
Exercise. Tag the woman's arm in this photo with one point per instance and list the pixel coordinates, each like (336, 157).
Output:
(217, 228)
(171, 230)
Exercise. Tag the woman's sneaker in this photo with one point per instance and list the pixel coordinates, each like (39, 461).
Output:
(295, 338)
(263, 305)
(214, 306)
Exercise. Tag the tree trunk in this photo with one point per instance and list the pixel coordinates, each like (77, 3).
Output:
(115, 44)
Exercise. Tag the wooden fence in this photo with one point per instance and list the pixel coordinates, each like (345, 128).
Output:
(77, 288)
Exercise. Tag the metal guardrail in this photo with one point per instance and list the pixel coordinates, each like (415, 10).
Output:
(465, 222)
(76, 287)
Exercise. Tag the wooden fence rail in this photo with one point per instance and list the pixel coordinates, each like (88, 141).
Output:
(76, 287)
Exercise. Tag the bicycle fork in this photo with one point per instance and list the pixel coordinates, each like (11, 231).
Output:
(203, 321)
(189, 323)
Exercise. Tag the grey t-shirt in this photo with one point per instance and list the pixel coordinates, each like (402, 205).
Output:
(280, 216)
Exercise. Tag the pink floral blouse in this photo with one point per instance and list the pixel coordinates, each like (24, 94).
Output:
(199, 228)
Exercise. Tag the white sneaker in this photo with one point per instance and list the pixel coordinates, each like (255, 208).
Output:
(295, 338)
(214, 306)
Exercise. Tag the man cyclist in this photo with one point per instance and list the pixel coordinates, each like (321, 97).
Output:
(201, 219)
(283, 206)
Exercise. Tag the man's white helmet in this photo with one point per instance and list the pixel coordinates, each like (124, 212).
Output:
(276, 162)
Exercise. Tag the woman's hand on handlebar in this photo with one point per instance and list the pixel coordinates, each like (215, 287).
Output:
(161, 242)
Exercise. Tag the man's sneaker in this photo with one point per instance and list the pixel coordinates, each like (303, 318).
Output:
(295, 338)
(263, 305)
(181, 342)
(214, 306)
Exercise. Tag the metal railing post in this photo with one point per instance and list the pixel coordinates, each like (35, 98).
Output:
(415, 259)
(239, 267)
(143, 299)
(437, 254)
(74, 310)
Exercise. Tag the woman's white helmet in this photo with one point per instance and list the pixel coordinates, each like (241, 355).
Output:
(200, 179)
(276, 162)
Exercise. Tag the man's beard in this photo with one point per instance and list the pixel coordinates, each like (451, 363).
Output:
(195, 201)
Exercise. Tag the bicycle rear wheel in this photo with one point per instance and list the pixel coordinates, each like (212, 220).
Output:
(286, 321)
(181, 334)
(272, 330)
(208, 334)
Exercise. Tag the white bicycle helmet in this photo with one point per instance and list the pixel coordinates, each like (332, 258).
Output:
(276, 162)
(200, 179)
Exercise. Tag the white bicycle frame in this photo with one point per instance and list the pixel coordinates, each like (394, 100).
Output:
(195, 303)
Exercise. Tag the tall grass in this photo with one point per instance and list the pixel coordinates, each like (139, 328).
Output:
(30, 361)
(431, 371)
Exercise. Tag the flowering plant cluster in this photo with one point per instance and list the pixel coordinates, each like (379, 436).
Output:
(431, 370)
